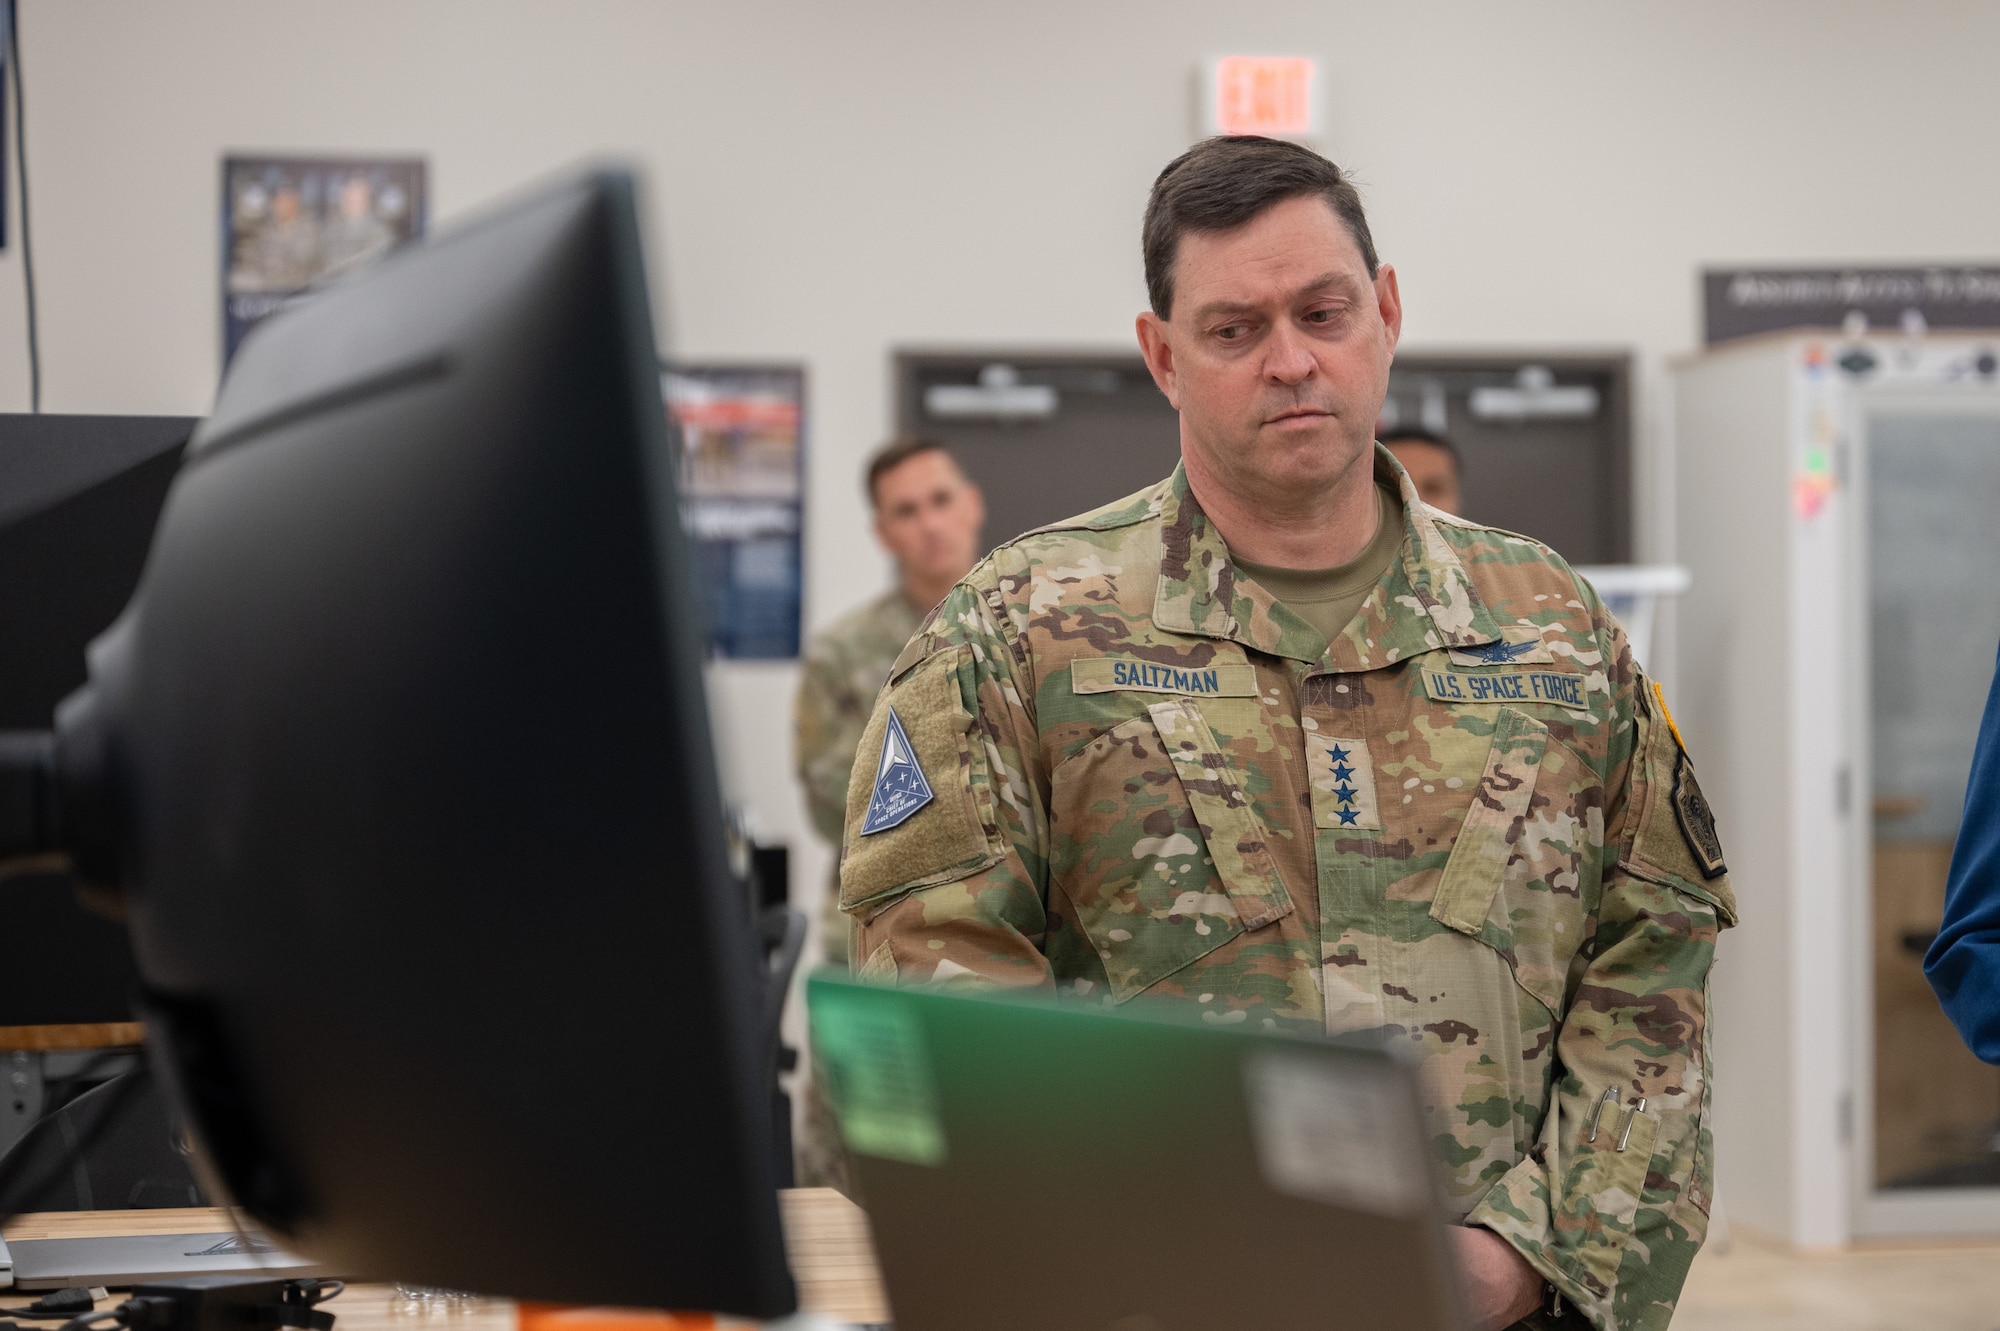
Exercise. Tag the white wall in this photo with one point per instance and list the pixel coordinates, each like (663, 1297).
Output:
(831, 180)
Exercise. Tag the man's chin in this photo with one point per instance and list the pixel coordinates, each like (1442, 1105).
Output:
(1304, 456)
(944, 570)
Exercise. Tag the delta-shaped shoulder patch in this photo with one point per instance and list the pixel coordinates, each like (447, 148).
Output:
(900, 785)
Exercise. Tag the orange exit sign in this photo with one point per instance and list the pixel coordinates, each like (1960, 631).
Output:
(1274, 95)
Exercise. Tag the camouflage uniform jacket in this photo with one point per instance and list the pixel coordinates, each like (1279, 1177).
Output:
(844, 668)
(1468, 821)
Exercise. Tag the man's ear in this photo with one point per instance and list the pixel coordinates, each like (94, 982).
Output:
(978, 498)
(1159, 354)
(1389, 300)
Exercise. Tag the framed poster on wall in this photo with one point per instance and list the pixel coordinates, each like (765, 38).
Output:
(741, 470)
(289, 223)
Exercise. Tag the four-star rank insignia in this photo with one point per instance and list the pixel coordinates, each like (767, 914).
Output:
(900, 786)
(1343, 783)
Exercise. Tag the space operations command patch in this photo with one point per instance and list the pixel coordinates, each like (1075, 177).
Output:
(900, 786)
(1697, 821)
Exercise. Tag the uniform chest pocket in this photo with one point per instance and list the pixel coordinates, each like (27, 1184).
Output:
(1157, 848)
(1515, 878)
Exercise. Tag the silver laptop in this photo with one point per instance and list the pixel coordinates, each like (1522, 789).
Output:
(1074, 1169)
(122, 1260)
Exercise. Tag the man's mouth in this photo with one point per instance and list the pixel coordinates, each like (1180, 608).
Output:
(1299, 413)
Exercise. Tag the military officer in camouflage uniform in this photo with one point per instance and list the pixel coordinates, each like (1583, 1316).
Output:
(1168, 750)
(928, 517)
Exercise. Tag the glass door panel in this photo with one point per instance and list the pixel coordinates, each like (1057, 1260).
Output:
(1934, 618)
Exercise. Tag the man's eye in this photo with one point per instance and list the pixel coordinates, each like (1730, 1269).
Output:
(1321, 316)
(1232, 332)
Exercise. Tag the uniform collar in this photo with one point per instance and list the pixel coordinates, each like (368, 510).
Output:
(1426, 601)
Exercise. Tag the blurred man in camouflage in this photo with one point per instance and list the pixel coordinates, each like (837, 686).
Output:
(928, 517)
(1275, 738)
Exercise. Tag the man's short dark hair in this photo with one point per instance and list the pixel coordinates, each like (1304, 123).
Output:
(1221, 183)
(898, 451)
(1412, 434)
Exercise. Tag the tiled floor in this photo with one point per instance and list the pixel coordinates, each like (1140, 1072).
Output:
(1749, 1283)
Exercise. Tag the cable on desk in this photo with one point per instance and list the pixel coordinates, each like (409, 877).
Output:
(21, 167)
(117, 1314)
(58, 1305)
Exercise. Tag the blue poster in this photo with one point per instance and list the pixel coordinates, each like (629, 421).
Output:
(742, 484)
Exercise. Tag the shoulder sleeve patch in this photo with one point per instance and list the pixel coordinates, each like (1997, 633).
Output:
(912, 820)
(1673, 839)
(1697, 822)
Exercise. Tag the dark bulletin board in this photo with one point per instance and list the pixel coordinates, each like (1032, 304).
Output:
(1111, 432)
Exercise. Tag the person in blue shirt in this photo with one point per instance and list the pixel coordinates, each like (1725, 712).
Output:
(1963, 964)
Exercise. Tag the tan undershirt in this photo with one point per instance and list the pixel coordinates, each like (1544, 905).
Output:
(1327, 598)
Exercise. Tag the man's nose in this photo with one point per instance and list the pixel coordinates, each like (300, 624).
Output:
(1287, 358)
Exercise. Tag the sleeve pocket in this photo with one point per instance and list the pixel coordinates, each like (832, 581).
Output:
(944, 839)
(1602, 1187)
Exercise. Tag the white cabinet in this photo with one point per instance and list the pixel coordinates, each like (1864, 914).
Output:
(1838, 505)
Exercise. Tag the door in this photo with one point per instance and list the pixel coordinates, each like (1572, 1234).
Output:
(1545, 439)
(1929, 1158)
(1046, 435)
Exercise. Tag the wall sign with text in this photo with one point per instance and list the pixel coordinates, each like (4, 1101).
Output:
(1742, 302)
(1273, 95)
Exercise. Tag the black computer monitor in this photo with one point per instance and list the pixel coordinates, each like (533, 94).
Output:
(400, 764)
(79, 497)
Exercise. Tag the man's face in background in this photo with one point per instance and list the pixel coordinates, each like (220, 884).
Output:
(928, 515)
(1432, 470)
(356, 199)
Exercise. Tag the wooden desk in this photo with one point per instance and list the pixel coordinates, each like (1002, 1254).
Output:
(826, 1236)
(57, 1039)
(833, 1256)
